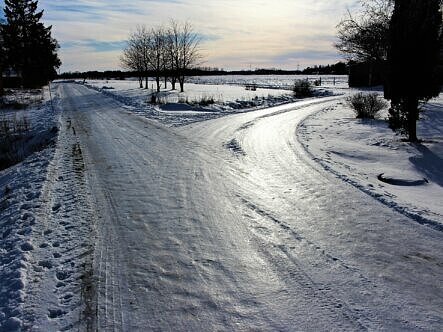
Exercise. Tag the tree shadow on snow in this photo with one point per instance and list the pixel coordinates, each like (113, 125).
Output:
(429, 164)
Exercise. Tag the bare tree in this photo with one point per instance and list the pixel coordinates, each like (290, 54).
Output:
(161, 51)
(156, 51)
(184, 43)
(365, 37)
(136, 55)
(167, 59)
(131, 59)
(172, 48)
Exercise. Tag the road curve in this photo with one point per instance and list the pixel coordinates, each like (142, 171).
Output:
(227, 225)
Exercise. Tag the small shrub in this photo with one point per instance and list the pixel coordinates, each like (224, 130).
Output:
(153, 99)
(13, 125)
(12, 140)
(183, 100)
(303, 89)
(206, 101)
(366, 105)
(12, 105)
(398, 119)
(161, 99)
(203, 101)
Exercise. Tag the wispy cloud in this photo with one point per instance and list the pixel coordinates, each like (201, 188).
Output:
(313, 55)
(95, 45)
(234, 34)
(208, 37)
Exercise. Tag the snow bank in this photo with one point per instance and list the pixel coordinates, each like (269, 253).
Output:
(20, 190)
(199, 101)
(365, 152)
(47, 230)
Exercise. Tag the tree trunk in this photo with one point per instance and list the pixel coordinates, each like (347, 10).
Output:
(173, 82)
(1, 81)
(181, 80)
(157, 80)
(411, 105)
(140, 82)
(146, 82)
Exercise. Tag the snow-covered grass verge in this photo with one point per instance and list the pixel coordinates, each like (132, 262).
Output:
(362, 152)
(27, 125)
(20, 189)
(199, 101)
(47, 231)
(20, 186)
(22, 98)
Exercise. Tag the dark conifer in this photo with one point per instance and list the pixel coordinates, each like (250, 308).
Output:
(2, 57)
(413, 59)
(30, 49)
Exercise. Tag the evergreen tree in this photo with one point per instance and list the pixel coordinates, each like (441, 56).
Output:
(2, 58)
(413, 59)
(30, 49)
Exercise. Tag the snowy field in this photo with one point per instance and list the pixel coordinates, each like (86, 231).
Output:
(290, 242)
(175, 108)
(273, 81)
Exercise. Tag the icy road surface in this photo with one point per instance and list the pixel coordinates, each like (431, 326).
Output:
(228, 225)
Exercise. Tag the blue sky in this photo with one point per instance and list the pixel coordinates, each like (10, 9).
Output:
(237, 34)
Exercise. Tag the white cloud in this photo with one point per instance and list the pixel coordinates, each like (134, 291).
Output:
(254, 31)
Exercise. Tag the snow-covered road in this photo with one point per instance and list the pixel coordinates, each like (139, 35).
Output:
(228, 225)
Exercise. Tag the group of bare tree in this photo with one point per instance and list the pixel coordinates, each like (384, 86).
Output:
(168, 52)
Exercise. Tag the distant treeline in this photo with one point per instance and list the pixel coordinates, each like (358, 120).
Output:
(339, 68)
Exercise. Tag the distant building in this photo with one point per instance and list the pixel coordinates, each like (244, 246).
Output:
(440, 67)
(1, 59)
(11, 79)
(365, 74)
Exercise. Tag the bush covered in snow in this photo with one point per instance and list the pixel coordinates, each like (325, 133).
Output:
(205, 101)
(303, 88)
(366, 105)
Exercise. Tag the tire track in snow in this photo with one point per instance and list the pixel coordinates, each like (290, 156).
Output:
(173, 232)
(107, 275)
(164, 290)
(110, 312)
(270, 233)
(361, 244)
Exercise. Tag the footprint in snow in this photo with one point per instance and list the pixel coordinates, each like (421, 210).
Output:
(27, 246)
(56, 207)
(62, 275)
(46, 264)
(55, 313)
